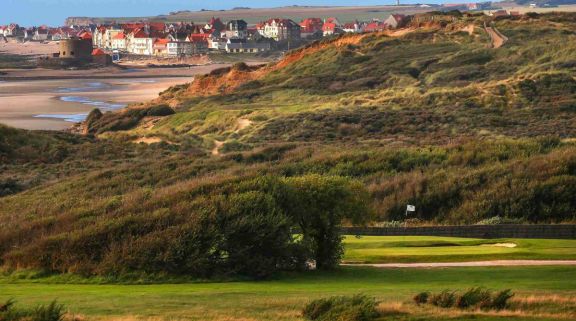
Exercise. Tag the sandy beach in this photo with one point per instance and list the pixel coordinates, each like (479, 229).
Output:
(57, 104)
(53, 99)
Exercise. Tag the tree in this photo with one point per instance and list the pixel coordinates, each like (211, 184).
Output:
(318, 205)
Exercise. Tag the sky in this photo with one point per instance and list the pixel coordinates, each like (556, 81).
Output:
(54, 12)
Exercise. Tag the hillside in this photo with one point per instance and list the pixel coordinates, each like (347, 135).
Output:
(431, 115)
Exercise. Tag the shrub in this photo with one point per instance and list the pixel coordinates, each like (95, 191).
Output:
(474, 297)
(160, 110)
(500, 300)
(355, 308)
(444, 299)
(421, 298)
(51, 312)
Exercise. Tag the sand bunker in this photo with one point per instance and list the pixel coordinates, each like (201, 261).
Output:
(509, 245)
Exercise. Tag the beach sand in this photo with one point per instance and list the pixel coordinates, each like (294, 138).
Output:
(21, 101)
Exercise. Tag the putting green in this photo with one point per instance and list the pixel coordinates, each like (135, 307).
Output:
(406, 249)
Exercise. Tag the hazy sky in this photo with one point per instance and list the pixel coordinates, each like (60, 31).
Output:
(53, 12)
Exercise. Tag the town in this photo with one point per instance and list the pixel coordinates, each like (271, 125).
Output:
(106, 43)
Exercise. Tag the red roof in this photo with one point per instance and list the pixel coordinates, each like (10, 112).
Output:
(119, 36)
(310, 25)
(375, 26)
(161, 41)
(85, 35)
(98, 52)
(139, 33)
(329, 26)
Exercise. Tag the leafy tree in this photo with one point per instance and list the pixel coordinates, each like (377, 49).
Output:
(319, 205)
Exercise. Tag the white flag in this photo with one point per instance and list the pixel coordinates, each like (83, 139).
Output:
(411, 208)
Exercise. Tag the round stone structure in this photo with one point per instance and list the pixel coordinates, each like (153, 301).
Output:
(76, 48)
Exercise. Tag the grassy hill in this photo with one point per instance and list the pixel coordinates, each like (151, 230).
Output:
(430, 115)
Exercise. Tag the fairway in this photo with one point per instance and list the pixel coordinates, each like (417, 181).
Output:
(414, 249)
(282, 298)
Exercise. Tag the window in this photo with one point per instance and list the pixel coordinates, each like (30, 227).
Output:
(72, 53)
(63, 53)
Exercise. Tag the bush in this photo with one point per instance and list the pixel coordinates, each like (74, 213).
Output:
(500, 300)
(50, 312)
(444, 299)
(160, 110)
(478, 297)
(356, 308)
(421, 298)
(474, 297)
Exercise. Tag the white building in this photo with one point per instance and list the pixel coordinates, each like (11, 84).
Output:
(280, 29)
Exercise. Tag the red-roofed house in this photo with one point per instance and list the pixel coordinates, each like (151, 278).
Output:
(194, 44)
(119, 41)
(310, 26)
(140, 42)
(334, 21)
(41, 34)
(330, 28)
(375, 26)
(353, 27)
(161, 47)
(100, 57)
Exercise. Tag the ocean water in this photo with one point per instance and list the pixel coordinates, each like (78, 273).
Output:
(73, 118)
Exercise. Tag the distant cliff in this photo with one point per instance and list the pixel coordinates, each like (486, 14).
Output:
(80, 21)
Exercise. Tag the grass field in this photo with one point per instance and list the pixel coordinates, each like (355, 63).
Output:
(549, 293)
(408, 249)
(283, 298)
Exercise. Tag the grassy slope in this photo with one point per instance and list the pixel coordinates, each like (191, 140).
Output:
(428, 86)
(376, 249)
(282, 299)
(424, 118)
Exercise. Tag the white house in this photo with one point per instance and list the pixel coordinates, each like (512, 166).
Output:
(118, 42)
(141, 43)
(280, 29)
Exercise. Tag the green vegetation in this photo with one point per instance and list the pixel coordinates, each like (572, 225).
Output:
(345, 131)
(413, 249)
(355, 308)
(473, 298)
(542, 293)
(51, 312)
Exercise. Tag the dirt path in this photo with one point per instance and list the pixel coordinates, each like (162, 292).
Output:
(470, 264)
(216, 149)
(498, 39)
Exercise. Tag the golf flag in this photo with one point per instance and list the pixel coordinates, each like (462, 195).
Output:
(410, 208)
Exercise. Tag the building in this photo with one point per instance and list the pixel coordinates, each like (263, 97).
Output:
(310, 27)
(242, 46)
(280, 29)
(76, 48)
(193, 44)
(160, 47)
(140, 42)
(237, 29)
(40, 34)
(353, 27)
(215, 24)
(119, 42)
(395, 21)
(375, 26)
(101, 58)
(330, 28)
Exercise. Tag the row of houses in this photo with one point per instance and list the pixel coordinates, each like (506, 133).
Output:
(42, 33)
(235, 36)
